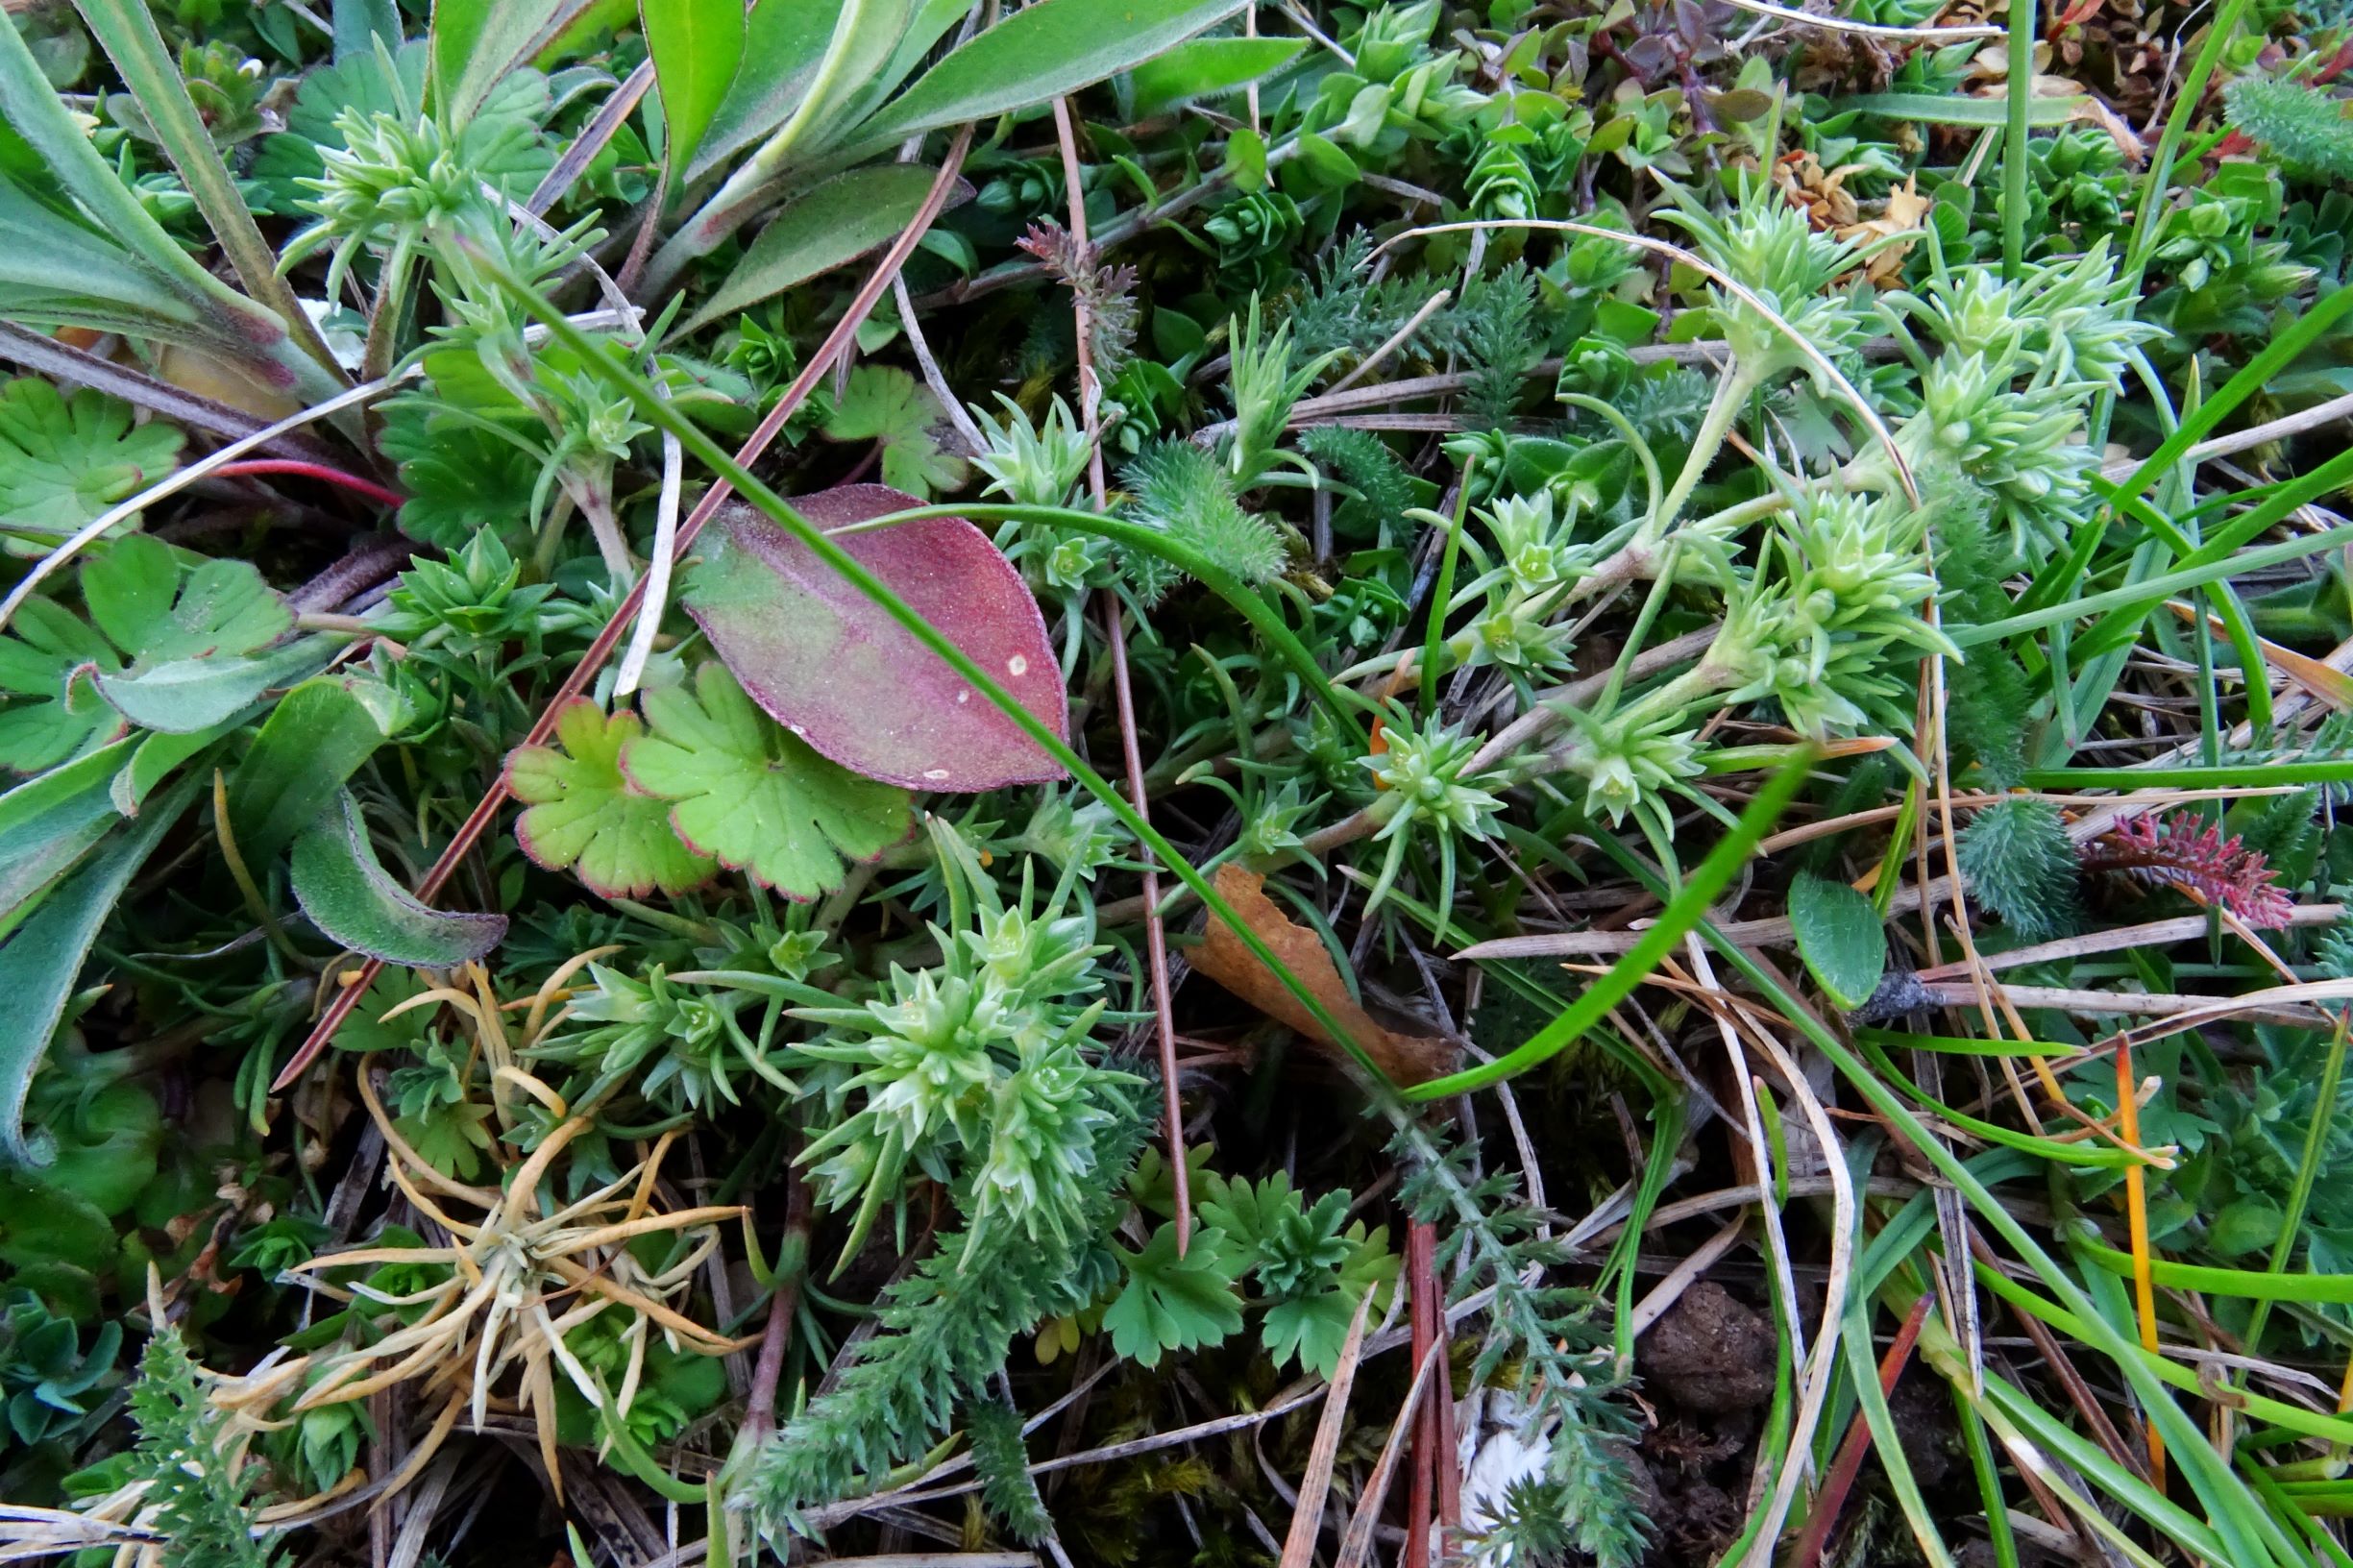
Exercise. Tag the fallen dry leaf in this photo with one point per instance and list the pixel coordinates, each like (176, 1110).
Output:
(1907, 210)
(1408, 1059)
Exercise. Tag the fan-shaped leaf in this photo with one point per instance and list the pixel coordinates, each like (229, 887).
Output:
(153, 613)
(753, 798)
(65, 460)
(585, 819)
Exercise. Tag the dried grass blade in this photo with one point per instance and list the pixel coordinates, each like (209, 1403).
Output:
(1308, 1518)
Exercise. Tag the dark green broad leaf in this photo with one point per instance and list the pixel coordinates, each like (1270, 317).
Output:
(42, 958)
(1840, 935)
(40, 1224)
(347, 895)
(822, 229)
(1039, 52)
(1208, 68)
(696, 46)
(316, 737)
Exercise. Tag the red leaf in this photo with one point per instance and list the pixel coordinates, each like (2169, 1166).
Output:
(2192, 857)
(830, 666)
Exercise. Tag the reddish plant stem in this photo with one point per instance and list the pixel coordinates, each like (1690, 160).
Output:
(1849, 1462)
(1114, 632)
(1422, 1302)
(792, 1263)
(485, 811)
(254, 467)
(1444, 1457)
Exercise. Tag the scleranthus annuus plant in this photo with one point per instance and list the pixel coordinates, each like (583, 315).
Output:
(1429, 793)
(969, 1071)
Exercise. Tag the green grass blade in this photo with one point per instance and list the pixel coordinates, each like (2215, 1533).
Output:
(1687, 908)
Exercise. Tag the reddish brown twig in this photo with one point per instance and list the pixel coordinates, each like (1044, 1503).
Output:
(1114, 632)
(1422, 1302)
(485, 811)
(792, 1263)
(1849, 1462)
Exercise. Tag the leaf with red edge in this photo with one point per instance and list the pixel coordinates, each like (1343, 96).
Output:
(584, 818)
(832, 667)
(752, 798)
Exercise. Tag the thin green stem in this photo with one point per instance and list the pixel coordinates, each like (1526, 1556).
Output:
(2307, 1171)
(2019, 97)
(657, 410)
(1434, 637)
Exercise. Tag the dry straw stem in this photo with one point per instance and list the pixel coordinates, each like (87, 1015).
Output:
(1307, 1519)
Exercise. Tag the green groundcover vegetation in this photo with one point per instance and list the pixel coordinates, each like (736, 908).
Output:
(1150, 782)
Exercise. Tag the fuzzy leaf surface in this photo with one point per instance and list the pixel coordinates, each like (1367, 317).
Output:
(150, 611)
(1840, 935)
(696, 46)
(838, 222)
(347, 895)
(831, 667)
(315, 737)
(41, 959)
(753, 798)
(1042, 51)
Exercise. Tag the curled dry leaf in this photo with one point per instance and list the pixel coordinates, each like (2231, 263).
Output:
(1408, 1059)
(830, 666)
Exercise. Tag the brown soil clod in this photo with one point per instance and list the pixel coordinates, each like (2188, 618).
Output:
(1711, 1353)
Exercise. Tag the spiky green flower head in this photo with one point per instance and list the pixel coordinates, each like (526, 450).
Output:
(933, 1064)
(682, 1044)
(1075, 831)
(1867, 553)
(1629, 761)
(1041, 1144)
(1515, 634)
(477, 595)
(1967, 306)
(1031, 464)
(591, 420)
(2021, 445)
(1428, 788)
(1264, 384)
(1034, 960)
(924, 1070)
(1773, 250)
(2065, 321)
(2082, 312)
(478, 310)
(1531, 541)
(1270, 830)
(395, 176)
(1833, 668)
